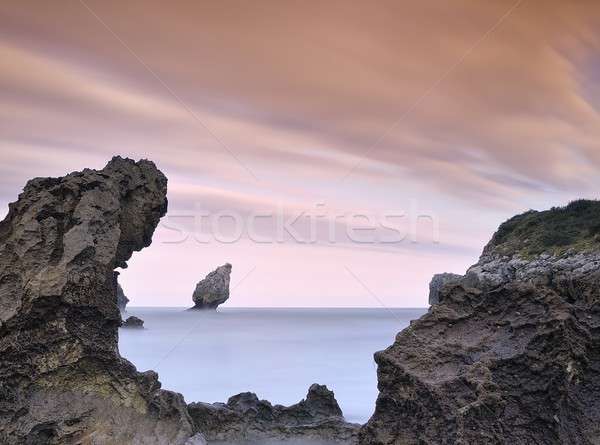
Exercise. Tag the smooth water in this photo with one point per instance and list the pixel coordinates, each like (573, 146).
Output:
(276, 353)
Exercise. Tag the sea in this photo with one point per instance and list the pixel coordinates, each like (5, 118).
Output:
(276, 353)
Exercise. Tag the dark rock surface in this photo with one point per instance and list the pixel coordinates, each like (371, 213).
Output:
(214, 289)
(133, 322)
(246, 419)
(511, 354)
(437, 282)
(62, 380)
(122, 299)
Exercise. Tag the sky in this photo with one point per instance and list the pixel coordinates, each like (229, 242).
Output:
(336, 153)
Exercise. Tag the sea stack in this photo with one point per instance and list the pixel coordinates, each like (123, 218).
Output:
(213, 290)
(509, 354)
(62, 380)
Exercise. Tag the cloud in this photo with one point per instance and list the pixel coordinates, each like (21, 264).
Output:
(301, 94)
(279, 88)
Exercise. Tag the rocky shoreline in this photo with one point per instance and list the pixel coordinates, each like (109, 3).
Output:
(246, 419)
(62, 380)
(508, 352)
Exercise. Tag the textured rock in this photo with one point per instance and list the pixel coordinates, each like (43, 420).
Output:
(511, 353)
(122, 299)
(196, 439)
(245, 418)
(62, 380)
(133, 322)
(437, 282)
(214, 289)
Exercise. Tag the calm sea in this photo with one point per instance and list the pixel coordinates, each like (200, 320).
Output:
(276, 353)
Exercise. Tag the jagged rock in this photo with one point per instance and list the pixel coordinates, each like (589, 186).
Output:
(122, 299)
(133, 322)
(437, 282)
(62, 380)
(196, 439)
(510, 354)
(245, 418)
(214, 289)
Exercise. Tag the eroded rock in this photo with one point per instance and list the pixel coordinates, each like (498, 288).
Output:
(437, 282)
(62, 380)
(133, 322)
(214, 289)
(510, 354)
(122, 299)
(246, 419)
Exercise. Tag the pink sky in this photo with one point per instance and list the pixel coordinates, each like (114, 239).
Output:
(468, 111)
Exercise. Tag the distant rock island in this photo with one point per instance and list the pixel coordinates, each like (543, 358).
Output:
(133, 322)
(213, 290)
(509, 352)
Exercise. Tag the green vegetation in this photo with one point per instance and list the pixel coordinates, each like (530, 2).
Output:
(575, 226)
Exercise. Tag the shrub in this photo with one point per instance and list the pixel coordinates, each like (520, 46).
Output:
(575, 226)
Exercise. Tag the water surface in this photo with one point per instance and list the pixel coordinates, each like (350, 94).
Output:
(276, 353)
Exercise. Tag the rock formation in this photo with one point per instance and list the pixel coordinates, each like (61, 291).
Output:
(122, 299)
(511, 352)
(214, 289)
(62, 380)
(245, 418)
(437, 282)
(133, 322)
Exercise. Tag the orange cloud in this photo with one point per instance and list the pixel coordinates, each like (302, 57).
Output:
(442, 101)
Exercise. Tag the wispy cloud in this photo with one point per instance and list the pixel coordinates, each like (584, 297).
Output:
(300, 92)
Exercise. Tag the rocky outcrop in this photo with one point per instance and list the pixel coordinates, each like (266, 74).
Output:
(214, 289)
(510, 354)
(133, 322)
(437, 282)
(122, 299)
(246, 419)
(62, 380)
